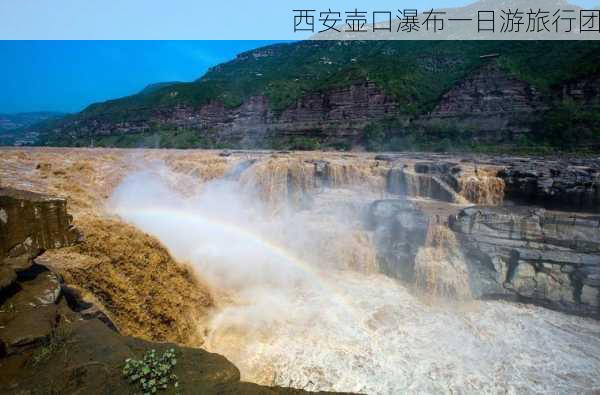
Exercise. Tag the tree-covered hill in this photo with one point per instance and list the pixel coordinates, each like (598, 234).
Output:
(415, 74)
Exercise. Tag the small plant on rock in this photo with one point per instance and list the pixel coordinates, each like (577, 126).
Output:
(152, 373)
(10, 308)
(55, 342)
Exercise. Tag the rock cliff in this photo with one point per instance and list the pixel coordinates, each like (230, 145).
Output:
(30, 223)
(570, 184)
(533, 255)
(336, 115)
(491, 100)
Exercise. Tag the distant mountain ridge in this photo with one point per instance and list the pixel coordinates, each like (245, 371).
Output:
(375, 94)
(21, 128)
(151, 88)
(25, 119)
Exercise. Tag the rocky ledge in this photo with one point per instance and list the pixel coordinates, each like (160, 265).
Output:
(554, 183)
(533, 255)
(30, 223)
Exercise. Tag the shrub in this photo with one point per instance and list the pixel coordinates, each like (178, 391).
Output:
(374, 137)
(152, 373)
(304, 144)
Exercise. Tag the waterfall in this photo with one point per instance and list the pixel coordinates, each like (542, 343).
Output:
(440, 268)
(484, 190)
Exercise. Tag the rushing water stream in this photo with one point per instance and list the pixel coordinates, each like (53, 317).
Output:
(294, 310)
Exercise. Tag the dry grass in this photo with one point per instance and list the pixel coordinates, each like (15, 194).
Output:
(144, 290)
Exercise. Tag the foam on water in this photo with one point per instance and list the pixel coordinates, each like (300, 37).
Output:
(401, 345)
(295, 317)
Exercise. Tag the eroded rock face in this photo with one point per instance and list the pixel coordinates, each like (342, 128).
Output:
(554, 184)
(533, 255)
(400, 229)
(30, 223)
(336, 114)
(30, 314)
(493, 100)
(488, 91)
(428, 180)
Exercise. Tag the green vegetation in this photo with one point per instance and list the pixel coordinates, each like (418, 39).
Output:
(152, 373)
(566, 129)
(296, 143)
(162, 137)
(375, 137)
(415, 73)
(570, 124)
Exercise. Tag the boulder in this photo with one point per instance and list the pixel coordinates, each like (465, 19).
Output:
(29, 311)
(30, 223)
(7, 277)
(532, 255)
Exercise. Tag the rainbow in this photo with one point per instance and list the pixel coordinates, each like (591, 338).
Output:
(156, 213)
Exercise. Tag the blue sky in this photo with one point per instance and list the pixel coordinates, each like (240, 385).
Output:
(69, 75)
(184, 19)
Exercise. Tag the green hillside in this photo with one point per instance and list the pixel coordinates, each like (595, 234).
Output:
(415, 73)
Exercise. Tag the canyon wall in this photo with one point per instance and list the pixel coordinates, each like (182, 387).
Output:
(491, 102)
(30, 223)
(482, 231)
(336, 115)
(533, 255)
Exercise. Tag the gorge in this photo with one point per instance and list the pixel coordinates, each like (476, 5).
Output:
(319, 271)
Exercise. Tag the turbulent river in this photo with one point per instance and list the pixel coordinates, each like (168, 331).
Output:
(300, 301)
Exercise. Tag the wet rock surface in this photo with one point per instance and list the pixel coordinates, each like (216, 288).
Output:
(428, 179)
(400, 230)
(29, 299)
(30, 310)
(533, 255)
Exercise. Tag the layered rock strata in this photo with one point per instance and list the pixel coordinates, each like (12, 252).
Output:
(533, 255)
(30, 223)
